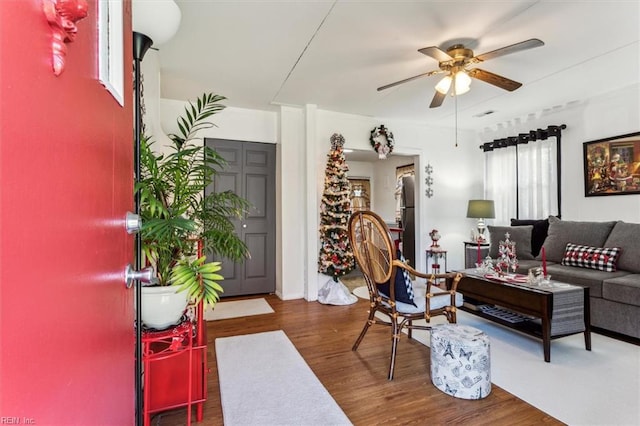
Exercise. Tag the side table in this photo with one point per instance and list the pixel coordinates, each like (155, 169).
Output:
(435, 256)
(471, 253)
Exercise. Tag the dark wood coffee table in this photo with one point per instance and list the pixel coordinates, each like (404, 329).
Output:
(501, 302)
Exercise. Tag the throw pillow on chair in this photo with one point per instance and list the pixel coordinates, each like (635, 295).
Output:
(403, 286)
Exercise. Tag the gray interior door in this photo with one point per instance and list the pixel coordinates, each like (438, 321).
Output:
(250, 173)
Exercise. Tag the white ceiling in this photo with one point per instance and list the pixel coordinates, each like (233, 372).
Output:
(261, 54)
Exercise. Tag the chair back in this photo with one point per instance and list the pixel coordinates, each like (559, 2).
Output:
(373, 248)
(376, 256)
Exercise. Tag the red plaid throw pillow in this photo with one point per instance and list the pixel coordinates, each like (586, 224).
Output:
(603, 259)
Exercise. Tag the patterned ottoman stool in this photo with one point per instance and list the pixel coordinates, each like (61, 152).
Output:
(460, 362)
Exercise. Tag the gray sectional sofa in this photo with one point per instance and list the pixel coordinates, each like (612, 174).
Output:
(615, 295)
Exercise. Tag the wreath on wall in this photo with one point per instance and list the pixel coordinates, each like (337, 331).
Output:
(382, 141)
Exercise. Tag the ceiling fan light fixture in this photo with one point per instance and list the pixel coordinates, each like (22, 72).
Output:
(454, 62)
(444, 85)
(462, 82)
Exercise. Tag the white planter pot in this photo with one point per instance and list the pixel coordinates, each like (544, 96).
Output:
(162, 307)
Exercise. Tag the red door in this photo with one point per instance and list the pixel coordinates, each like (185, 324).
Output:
(66, 178)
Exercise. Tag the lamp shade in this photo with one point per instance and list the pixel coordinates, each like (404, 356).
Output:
(481, 209)
(157, 19)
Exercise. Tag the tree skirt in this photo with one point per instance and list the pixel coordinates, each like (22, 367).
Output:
(334, 292)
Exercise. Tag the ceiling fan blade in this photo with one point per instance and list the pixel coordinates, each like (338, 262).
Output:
(507, 50)
(436, 53)
(437, 100)
(495, 79)
(406, 80)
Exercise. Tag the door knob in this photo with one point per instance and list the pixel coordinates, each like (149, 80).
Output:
(146, 275)
(244, 225)
(132, 223)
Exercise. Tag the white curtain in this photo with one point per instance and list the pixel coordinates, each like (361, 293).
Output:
(538, 179)
(500, 182)
(532, 187)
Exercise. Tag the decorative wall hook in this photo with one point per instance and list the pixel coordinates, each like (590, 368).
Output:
(62, 16)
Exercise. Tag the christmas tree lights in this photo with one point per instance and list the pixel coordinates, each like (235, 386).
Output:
(336, 257)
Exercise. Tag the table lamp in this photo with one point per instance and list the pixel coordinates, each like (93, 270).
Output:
(481, 210)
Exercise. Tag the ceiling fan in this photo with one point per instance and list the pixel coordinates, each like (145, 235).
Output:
(454, 63)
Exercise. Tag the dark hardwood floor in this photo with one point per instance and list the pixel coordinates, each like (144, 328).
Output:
(358, 380)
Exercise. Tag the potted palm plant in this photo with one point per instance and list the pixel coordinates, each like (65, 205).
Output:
(176, 214)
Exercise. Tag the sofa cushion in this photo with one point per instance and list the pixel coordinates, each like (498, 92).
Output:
(521, 235)
(614, 316)
(627, 237)
(625, 289)
(583, 277)
(603, 259)
(539, 233)
(562, 232)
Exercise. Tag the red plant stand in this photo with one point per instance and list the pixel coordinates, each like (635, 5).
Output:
(175, 365)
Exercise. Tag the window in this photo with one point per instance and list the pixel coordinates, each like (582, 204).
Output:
(522, 175)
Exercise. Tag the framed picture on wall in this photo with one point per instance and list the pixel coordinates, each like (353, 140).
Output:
(612, 166)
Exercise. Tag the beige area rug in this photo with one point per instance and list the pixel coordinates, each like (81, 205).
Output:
(362, 292)
(265, 381)
(353, 281)
(237, 308)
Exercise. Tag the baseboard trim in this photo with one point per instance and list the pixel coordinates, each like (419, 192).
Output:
(617, 336)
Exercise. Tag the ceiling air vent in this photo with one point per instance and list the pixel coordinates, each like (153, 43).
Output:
(482, 114)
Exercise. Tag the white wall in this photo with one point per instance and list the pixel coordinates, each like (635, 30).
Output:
(359, 169)
(457, 174)
(603, 116)
(232, 123)
(303, 138)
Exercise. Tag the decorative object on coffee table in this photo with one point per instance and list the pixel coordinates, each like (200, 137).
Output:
(507, 258)
(481, 210)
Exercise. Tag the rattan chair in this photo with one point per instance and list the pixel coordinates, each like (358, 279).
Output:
(376, 256)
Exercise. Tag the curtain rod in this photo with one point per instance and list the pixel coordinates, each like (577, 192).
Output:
(532, 136)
